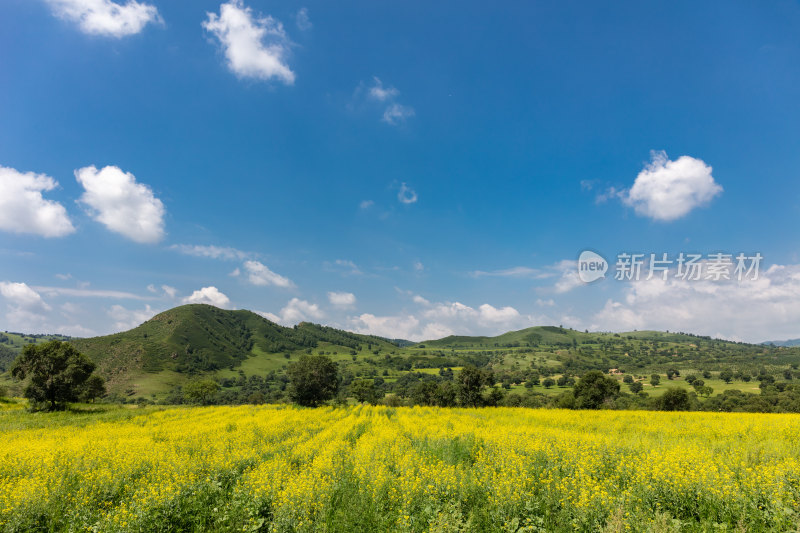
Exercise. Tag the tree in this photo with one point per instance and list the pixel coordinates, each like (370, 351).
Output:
(674, 399)
(636, 387)
(628, 379)
(690, 379)
(200, 391)
(655, 379)
(55, 372)
(363, 390)
(314, 379)
(470, 384)
(726, 376)
(707, 374)
(594, 389)
(94, 387)
(548, 382)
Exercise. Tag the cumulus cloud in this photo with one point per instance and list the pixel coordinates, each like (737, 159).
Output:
(125, 319)
(255, 46)
(212, 252)
(295, 311)
(667, 190)
(208, 295)
(26, 310)
(342, 299)
(406, 195)
(23, 209)
(440, 319)
(122, 205)
(397, 113)
(260, 274)
(106, 18)
(751, 310)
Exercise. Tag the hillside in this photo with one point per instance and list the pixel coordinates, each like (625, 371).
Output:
(11, 345)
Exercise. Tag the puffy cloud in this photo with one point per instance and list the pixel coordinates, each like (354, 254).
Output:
(667, 190)
(212, 252)
(26, 308)
(169, 291)
(438, 320)
(397, 113)
(106, 18)
(255, 47)
(121, 204)
(295, 311)
(302, 20)
(260, 274)
(208, 295)
(23, 209)
(406, 195)
(752, 310)
(342, 299)
(125, 319)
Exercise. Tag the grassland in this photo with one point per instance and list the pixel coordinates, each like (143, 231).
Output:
(396, 469)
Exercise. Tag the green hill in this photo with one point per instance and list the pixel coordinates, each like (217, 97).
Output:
(11, 345)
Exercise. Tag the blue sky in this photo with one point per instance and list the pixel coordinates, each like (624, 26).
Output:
(409, 169)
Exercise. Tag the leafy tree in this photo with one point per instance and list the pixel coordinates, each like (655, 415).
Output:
(636, 387)
(707, 374)
(55, 372)
(470, 384)
(690, 378)
(705, 391)
(200, 391)
(674, 399)
(726, 376)
(314, 379)
(628, 379)
(94, 387)
(363, 390)
(594, 389)
(655, 379)
(548, 382)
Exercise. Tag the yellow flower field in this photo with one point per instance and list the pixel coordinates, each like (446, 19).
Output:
(276, 468)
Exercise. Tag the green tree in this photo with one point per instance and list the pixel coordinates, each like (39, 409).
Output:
(548, 382)
(595, 389)
(314, 379)
(674, 399)
(628, 379)
(655, 379)
(200, 391)
(93, 388)
(636, 387)
(726, 376)
(470, 384)
(55, 372)
(363, 390)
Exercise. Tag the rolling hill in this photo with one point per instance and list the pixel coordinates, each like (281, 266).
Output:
(237, 347)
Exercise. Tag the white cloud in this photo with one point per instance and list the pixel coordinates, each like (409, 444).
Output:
(667, 190)
(212, 252)
(406, 195)
(23, 209)
(152, 288)
(83, 292)
(302, 20)
(169, 291)
(342, 299)
(569, 278)
(751, 310)
(255, 47)
(295, 311)
(106, 18)
(366, 204)
(121, 204)
(345, 266)
(418, 266)
(380, 93)
(393, 327)
(208, 295)
(397, 113)
(26, 310)
(125, 319)
(64, 276)
(417, 299)
(514, 272)
(260, 274)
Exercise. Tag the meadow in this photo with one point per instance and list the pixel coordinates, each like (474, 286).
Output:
(362, 468)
